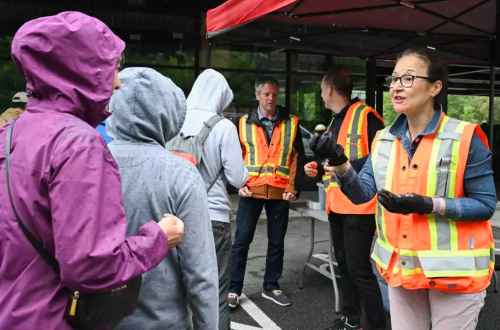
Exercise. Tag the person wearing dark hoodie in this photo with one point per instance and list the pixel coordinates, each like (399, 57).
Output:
(182, 292)
(65, 183)
(221, 161)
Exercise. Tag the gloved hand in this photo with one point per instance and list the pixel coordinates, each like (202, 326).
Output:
(327, 147)
(405, 204)
(318, 131)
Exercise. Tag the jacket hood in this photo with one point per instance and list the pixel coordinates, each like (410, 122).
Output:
(148, 108)
(210, 92)
(69, 61)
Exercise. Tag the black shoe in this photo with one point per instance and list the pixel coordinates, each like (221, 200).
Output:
(343, 324)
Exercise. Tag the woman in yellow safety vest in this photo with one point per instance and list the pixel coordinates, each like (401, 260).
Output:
(436, 195)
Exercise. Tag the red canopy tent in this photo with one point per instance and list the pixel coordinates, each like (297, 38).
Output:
(461, 30)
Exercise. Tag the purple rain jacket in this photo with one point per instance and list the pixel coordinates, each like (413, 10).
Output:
(65, 183)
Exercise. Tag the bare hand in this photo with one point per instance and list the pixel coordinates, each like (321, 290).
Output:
(173, 227)
(289, 197)
(311, 169)
(329, 170)
(245, 192)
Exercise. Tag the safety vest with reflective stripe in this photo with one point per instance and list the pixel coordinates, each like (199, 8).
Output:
(353, 136)
(430, 251)
(268, 164)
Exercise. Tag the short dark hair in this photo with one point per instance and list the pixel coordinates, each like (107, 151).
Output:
(261, 81)
(340, 80)
(436, 69)
(19, 105)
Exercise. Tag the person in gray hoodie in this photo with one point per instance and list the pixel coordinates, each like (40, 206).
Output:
(210, 96)
(182, 291)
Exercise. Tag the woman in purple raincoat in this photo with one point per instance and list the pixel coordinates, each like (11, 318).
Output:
(65, 183)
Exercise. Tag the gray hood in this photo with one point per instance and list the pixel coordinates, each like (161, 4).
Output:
(148, 108)
(210, 92)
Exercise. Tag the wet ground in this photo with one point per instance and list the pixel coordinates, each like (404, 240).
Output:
(313, 307)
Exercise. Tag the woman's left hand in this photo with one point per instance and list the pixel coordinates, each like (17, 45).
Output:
(405, 204)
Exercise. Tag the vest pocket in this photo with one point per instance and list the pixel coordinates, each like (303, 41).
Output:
(448, 263)
(450, 270)
(383, 254)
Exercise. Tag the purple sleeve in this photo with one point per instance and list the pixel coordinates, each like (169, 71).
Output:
(89, 224)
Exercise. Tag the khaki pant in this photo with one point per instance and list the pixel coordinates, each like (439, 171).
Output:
(419, 309)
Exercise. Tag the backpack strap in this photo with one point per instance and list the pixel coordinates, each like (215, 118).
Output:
(216, 178)
(208, 126)
(205, 131)
(49, 259)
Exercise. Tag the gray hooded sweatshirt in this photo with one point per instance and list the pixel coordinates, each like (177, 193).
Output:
(211, 95)
(182, 291)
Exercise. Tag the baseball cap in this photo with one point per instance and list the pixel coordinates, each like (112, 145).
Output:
(20, 97)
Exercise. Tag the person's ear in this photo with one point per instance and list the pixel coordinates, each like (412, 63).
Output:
(436, 88)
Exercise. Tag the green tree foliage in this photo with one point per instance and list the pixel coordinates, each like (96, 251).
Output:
(306, 101)
(473, 109)
(11, 80)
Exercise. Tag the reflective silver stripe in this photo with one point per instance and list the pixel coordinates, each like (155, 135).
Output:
(445, 152)
(461, 263)
(482, 262)
(410, 262)
(250, 141)
(326, 183)
(352, 135)
(449, 135)
(284, 170)
(378, 216)
(443, 226)
(286, 141)
(261, 169)
(254, 169)
(443, 232)
(382, 254)
(380, 172)
(380, 169)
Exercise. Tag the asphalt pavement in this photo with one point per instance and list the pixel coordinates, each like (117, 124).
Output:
(313, 307)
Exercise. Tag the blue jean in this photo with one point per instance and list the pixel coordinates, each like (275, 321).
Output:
(247, 216)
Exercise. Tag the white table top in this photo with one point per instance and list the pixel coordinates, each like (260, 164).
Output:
(303, 209)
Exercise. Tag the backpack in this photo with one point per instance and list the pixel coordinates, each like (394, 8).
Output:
(191, 147)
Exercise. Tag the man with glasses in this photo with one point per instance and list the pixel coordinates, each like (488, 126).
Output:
(354, 126)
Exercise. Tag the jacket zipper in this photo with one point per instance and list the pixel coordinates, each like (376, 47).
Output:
(72, 310)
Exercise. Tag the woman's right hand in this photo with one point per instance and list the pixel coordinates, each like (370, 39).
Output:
(173, 227)
(311, 169)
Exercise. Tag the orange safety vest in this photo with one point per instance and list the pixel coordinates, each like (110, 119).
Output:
(353, 136)
(268, 164)
(430, 251)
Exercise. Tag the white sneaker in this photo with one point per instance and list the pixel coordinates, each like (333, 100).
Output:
(233, 300)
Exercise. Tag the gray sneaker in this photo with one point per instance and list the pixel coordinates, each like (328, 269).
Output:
(233, 300)
(277, 297)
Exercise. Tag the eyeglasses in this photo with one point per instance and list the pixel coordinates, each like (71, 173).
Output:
(406, 80)
(121, 61)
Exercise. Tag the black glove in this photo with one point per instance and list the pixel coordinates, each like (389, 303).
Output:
(318, 131)
(405, 204)
(327, 147)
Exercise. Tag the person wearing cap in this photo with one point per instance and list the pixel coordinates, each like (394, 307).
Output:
(354, 125)
(17, 107)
